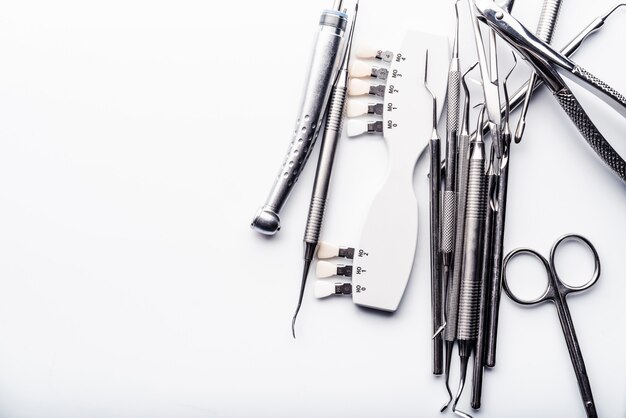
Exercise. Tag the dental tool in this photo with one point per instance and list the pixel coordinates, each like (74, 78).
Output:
(568, 50)
(453, 285)
(467, 331)
(489, 76)
(332, 134)
(547, 62)
(449, 195)
(545, 30)
(435, 250)
(322, 75)
(495, 207)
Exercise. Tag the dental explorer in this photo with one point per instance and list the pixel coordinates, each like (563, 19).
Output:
(545, 31)
(494, 174)
(452, 132)
(475, 213)
(322, 74)
(435, 250)
(453, 286)
(332, 134)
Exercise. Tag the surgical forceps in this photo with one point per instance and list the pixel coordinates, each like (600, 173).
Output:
(556, 292)
(546, 61)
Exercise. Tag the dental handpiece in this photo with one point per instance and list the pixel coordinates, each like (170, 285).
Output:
(469, 298)
(332, 135)
(322, 75)
(545, 32)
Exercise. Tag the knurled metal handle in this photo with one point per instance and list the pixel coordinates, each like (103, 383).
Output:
(591, 134)
(599, 84)
(454, 89)
(469, 299)
(447, 228)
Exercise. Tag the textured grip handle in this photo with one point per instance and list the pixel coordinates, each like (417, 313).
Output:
(332, 134)
(454, 90)
(591, 134)
(454, 287)
(475, 213)
(447, 228)
(599, 84)
(334, 122)
(547, 20)
(314, 220)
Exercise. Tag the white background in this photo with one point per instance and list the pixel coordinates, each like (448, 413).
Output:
(137, 140)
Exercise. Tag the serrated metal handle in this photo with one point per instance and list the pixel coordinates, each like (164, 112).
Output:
(475, 213)
(592, 135)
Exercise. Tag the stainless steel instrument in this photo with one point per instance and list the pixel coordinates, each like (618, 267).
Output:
(332, 134)
(322, 75)
(545, 61)
(556, 292)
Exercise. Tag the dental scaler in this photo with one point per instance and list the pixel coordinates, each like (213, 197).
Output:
(322, 75)
(332, 134)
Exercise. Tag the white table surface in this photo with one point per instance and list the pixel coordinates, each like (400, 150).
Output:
(137, 140)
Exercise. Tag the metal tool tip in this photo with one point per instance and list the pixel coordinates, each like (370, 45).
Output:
(613, 9)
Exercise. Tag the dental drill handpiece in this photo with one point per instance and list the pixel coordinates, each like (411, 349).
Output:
(452, 132)
(322, 75)
(469, 298)
(545, 31)
(332, 134)
(454, 283)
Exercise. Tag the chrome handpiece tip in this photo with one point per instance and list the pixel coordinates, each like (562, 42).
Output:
(266, 221)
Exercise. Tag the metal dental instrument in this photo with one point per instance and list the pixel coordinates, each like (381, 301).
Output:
(435, 250)
(332, 134)
(545, 31)
(467, 331)
(568, 50)
(322, 75)
(495, 273)
(556, 292)
(452, 132)
(453, 285)
(494, 174)
(489, 76)
(546, 61)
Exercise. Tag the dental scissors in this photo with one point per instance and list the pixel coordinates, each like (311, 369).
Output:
(556, 292)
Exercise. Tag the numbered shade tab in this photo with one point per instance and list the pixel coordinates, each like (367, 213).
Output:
(356, 108)
(327, 250)
(360, 127)
(324, 289)
(326, 269)
(360, 88)
(360, 69)
(368, 52)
